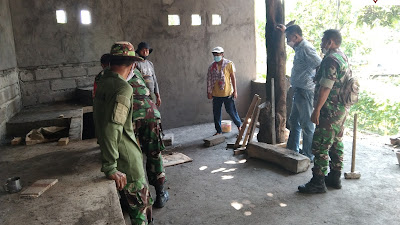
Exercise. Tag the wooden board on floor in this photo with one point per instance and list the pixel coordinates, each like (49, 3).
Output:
(38, 188)
(175, 158)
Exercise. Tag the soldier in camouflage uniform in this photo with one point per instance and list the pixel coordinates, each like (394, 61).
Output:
(122, 159)
(147, 120)
(329, 115)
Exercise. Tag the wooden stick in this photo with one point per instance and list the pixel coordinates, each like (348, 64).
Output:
(251, 124)
(273, 132)
(255, 121)
(353, 155)
(245, 122)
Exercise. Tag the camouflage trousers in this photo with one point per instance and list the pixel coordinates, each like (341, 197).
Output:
(327, 141)
(148, 131)
(136, 199)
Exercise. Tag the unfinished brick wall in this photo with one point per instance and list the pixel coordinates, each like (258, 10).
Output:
(10, 98)
(47, 84)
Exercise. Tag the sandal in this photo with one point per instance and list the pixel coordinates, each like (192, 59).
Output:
(217, 134)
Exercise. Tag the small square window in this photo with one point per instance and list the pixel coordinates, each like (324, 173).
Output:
(61, 16)
(85, 17)
(173, 20)
(216, 19)
(196, 20)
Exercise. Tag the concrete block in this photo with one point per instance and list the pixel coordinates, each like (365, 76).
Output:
(13, 107)
(9, 78)
(286, 158)
(63, 84)
(8, 93)
(74, 72)
(85, 81)
(45, 74)
(32, 88)
(26, 75)
(29, 100)
(3, 111)
(76, 128)
(214, 140)
(94, 70)
(63, 141)
(45, 98)
(64, 95)
(168, 139)
(16, 141)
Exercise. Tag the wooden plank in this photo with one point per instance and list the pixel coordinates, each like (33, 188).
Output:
(16, 141)
(286, 158)
(38, 188)
(251, 124)
(175, 158)
(239, 151)
(214, 140)
(63, 141)
(256, 121)
(245, 122)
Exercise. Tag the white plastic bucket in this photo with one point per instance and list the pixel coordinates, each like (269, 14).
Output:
(226, 126)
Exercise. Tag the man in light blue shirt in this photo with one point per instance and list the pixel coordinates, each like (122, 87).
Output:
(305, 63)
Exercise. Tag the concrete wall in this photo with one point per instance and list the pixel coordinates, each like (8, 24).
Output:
(10, 96)
(54, 58)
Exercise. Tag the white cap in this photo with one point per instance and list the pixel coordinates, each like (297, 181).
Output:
(217, 50)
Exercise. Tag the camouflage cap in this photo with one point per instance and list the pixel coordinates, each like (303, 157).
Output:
(124, 48)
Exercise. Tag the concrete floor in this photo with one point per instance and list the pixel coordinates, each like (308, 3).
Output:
(216, 188)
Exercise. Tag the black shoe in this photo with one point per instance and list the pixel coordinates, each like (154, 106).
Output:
(333, 179)
(161, 197)
(315, 185)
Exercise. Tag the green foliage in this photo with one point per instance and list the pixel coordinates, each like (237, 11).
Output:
(378, 117)
(315, 16)
(385, 16)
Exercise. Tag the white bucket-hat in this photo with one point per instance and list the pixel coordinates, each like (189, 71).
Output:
(217, 50)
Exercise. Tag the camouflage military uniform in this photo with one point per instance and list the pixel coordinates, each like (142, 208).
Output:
(147, 128)
(119, 149)
(327, 140)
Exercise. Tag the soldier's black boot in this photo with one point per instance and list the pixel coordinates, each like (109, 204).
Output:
(162, 196)
(333, 179)
(315, 185)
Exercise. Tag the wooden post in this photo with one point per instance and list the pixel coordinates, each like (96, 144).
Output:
(276, 68)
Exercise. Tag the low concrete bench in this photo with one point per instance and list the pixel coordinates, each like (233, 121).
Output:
(288, 159)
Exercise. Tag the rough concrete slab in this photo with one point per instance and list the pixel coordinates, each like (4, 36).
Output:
(214, 140)
(82, 195)
(44, 116)
(290, 160)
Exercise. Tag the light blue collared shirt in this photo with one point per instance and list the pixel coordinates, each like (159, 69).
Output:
(305, 61)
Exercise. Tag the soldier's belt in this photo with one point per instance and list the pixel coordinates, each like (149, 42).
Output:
(141, 97)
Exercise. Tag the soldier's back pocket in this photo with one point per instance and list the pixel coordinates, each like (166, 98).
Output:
(121, 109)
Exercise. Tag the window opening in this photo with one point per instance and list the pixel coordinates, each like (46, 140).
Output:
(216, 19)
(85, 17)
(196, 20)
(61, 16)
(173, 20)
